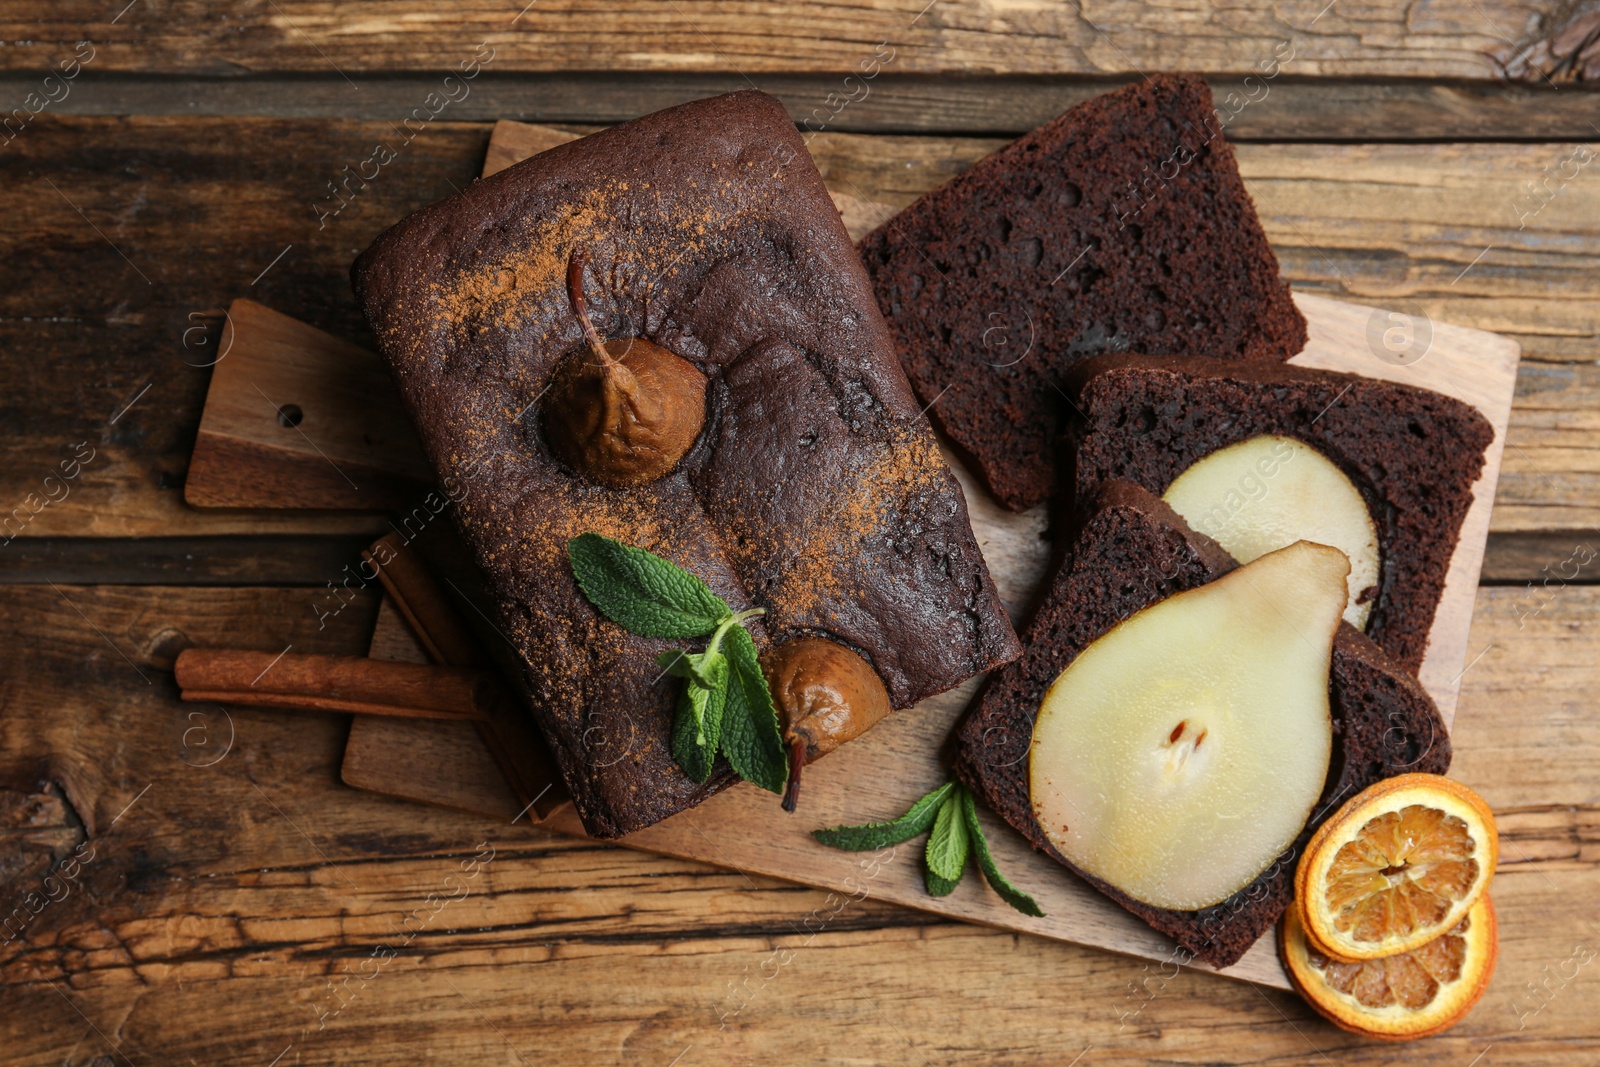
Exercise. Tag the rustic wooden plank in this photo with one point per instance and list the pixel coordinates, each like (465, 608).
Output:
(1509, 559)
(1537, 558)
(223, 560)
(117, 311)
(203, 893)
(1295, 108)
(936, 996)
(1449, 38)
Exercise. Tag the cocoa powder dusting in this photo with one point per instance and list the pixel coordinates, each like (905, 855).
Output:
(821, 560)
(509, 289)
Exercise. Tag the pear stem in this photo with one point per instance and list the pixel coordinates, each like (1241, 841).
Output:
(578, 260)
(797, 761)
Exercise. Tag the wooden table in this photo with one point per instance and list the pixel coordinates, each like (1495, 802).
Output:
(220, 898)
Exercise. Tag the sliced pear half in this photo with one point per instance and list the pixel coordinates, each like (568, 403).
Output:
(1266, 492)
(1181, 753)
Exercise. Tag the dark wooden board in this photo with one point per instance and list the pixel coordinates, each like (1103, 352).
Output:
(1296, 108)
(311, 560)
(239, 559)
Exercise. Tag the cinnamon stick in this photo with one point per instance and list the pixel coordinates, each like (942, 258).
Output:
(422, 603)
(335, 683)
(508, 731)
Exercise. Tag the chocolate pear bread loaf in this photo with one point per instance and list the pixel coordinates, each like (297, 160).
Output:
(1132, 551)
(1122, 225)
(1413, 454)
(815, 488)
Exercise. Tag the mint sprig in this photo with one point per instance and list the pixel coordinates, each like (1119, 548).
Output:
(950, 812)
(725, 705)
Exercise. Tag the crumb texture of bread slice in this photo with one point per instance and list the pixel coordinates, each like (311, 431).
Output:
(1133, 551)
(1413, 454)
(1123, 225)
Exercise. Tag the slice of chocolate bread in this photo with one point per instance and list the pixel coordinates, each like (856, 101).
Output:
(815, 490)
(1120, 226)
(1412, 453)
(1131, 552)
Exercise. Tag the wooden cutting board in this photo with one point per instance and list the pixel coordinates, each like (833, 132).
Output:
(875, 777)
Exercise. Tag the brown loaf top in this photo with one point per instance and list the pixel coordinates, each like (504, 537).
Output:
(1413, 454)
(1122, 225)
(816, 489)
(1133, 551)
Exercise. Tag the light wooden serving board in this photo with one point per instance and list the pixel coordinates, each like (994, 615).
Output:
(879, 775)
(275, 431)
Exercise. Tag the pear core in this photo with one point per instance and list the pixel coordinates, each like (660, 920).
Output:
(1270, 491)
(1180, 754)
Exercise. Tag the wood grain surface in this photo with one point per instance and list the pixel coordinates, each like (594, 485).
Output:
(221, 897)
(256, 881)
(1301, 109)
(1462, 39)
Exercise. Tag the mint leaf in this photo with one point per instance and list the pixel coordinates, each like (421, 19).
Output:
(675, 661)
(875, 835)
(991, 871)
(701, 710)
(750, 736)
(694, 760)
(642, 592)
(710, 676)
(937, 886)
(947, 845)
(681, 664)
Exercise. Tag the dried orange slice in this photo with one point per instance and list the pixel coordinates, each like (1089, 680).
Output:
(1399, 865)
(1397, 998)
